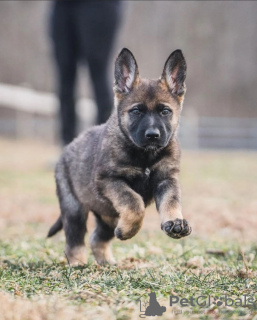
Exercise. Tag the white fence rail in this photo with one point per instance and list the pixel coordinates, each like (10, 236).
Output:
(31, 114)
(221, 133)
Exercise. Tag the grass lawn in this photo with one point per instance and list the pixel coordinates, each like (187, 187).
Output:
(217, 259)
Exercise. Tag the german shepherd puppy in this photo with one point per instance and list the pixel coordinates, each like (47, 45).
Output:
(117, 169)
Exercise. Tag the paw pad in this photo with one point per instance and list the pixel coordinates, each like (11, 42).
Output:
(177, 228)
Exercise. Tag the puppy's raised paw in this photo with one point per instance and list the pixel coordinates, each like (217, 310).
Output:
(126, 229)
(177, 228)
(124, 233)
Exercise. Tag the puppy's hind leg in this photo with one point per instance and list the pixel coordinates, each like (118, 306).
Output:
(101, 238)
(75, 229)
(74, 218)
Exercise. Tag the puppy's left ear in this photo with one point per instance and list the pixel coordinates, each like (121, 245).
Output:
(174, 73)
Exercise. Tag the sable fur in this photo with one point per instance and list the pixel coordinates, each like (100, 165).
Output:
(117, 169)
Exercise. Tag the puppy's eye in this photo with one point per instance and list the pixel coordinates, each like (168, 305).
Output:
(165, 112)
(135, 111)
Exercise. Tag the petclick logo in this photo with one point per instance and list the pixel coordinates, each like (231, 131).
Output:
(151, 307)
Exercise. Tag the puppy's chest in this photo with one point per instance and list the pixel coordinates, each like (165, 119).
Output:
(141, 183)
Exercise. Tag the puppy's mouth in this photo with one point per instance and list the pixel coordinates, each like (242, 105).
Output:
(152, 147)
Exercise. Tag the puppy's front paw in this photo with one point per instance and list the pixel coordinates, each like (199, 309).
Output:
(124, 234)
(177, 228)
(126, 230)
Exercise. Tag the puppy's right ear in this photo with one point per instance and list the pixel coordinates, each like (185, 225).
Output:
(126, 72)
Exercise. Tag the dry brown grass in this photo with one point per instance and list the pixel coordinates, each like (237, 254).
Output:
(219, 200)
(48, 308)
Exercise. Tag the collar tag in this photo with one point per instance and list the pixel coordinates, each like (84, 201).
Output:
(147, 171)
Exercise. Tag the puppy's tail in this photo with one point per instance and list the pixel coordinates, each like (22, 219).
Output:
(55, 227)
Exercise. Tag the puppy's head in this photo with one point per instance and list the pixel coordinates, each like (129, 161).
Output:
(148, 110)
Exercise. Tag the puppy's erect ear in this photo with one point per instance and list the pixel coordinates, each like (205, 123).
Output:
(174, 73)
(126, 71)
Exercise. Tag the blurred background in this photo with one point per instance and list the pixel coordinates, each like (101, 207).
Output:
(218, 130)
(218, 39)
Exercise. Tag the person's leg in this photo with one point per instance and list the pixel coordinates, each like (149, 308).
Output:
(65, 52)
(102, 88)
(97, 25)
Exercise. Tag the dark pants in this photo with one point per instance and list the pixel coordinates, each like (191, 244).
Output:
(83, 31)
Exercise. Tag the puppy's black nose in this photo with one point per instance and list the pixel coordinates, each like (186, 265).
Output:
(152, 134)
